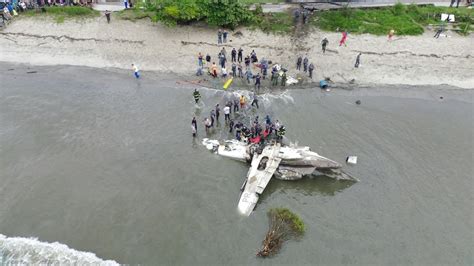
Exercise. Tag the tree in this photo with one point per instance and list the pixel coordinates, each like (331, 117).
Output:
(284, 225)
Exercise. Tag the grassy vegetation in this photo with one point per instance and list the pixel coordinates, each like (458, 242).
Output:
(249, 2)
(405, 20)
(135, 14)
(60, 14)
(280, 23)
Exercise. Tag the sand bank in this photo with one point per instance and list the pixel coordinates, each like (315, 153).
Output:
(421, 60)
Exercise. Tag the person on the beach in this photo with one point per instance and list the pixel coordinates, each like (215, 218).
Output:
(255, 101)
(107, 15)
(439, 31)
(257, 82)
(324, 43)
(310, 69)
(452, 3)
(226, 113)
(253, 56)
(199, 71)
(125, 3)
(208, 58)
(233, 55)
(224, 35)
(136, 71)
(239, 68)
(357, 63)
(200, 63)
(247, 61)
(343, 39)
(305, 16)
(296, 16)
(224, 72)
(390, 34)
(196, 96)
(274, 79)
(219, 36)
(239, 55)
(298, 63)
(234, 70)
(305, 64)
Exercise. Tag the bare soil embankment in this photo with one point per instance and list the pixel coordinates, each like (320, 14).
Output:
(421, 60)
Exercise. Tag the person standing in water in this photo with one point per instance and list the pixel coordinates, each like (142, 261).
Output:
(218, 111)
(257, 83)
(226, 113)
(255, 101)
(136, 71)
(196, 96)
(242, 102)
(194, 126)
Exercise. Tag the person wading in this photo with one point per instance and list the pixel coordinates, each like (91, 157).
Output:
(255, 100)
(257, 83)
(226, 113)
(136, 71)
(196, 96)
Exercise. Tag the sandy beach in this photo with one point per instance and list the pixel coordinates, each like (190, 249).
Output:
(421, 60)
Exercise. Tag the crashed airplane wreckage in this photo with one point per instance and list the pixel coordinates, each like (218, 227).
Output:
(283, 162)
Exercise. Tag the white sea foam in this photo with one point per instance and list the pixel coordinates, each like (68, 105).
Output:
(28, 251)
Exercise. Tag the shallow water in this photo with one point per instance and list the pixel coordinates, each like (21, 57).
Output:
(104, 163)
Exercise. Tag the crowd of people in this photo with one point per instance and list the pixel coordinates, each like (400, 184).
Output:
(233, 110)
(249, 68)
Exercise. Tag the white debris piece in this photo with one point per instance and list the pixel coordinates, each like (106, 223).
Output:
(351, 159)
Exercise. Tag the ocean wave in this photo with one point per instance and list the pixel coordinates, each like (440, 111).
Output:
(27, 251)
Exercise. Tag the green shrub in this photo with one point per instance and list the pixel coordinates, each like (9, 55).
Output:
(398, 9)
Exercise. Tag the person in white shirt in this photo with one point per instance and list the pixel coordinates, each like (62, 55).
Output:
(136, 71)
(226, 113)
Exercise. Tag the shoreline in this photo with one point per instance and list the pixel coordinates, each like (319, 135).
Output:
(423, 92)
(407, 60)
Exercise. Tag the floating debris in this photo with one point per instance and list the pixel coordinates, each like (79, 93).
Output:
(284, 225)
